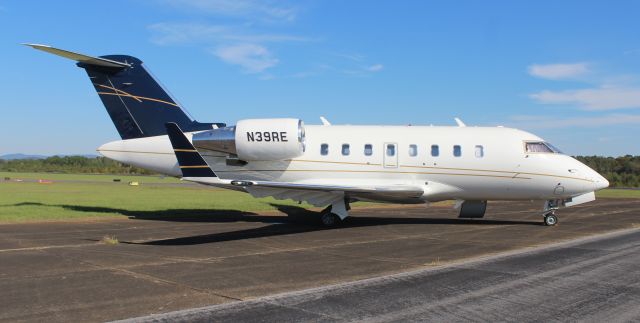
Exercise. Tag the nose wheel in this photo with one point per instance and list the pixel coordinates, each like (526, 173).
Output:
(550, 219)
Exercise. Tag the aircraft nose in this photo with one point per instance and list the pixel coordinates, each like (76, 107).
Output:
(594, 181)
(601, 182)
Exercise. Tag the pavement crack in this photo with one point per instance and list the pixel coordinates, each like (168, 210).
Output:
(151, 278)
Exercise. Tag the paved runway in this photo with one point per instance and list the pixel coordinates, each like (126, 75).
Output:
(179, 259)
(596, 280)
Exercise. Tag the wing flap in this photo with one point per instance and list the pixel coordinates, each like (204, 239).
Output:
(315, 198)
(402, 190)
(315, 193)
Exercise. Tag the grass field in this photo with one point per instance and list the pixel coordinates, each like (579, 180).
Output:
(82, 196)
(33, 201)
(618, 193)
(79, 196)
(89, 177)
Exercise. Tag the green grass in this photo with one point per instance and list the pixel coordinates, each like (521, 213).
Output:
(97, 196)
(89, 177)
(29, 201)
(617, 193)
(110, 240)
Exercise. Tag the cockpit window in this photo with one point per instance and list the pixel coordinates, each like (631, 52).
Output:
(554, 148)
(538, 147)
(541, 147)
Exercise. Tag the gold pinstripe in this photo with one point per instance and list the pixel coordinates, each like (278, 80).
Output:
(333, 162)
(118, 91)
(514, 176)
(129, 95)
(148, 152)
(362, 171)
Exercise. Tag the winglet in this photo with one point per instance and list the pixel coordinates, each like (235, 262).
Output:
(81, 58)
(189, 159)
(459, 122)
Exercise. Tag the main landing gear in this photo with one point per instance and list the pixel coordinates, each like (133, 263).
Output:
(333, 215)
(329, 219)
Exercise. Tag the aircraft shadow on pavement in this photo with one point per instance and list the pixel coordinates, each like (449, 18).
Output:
(297, 220)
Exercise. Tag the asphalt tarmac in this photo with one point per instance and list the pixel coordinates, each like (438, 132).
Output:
(181, 259)
(592, 280)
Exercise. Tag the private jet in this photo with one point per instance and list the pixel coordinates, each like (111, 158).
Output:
(328, 165)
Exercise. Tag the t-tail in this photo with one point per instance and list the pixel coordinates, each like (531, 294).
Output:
(137, 104)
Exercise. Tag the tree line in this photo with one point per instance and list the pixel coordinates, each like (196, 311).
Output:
(620, 171)
(71, 165)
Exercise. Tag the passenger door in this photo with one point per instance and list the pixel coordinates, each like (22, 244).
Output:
(390, 155)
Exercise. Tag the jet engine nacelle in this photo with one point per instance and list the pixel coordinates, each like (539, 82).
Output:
(269, 139)
(256, 139)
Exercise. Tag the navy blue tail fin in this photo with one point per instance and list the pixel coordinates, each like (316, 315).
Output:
(189, 159)
(137, 104)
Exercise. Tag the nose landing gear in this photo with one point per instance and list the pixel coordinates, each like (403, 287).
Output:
(550, 219)
(550, 207)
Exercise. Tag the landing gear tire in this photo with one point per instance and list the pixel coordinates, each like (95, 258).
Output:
(330, 220)
(550, 219)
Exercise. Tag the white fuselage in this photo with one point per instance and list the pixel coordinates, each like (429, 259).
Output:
(492, 163)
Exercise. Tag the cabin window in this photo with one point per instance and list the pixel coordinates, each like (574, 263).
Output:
(479, 151)
(435, 150)
(391, 150)
(413, 150)
(324, 149)
(457, 151)
(345, 150)
(368, 150)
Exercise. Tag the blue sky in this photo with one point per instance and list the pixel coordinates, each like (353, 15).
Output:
(568, 71)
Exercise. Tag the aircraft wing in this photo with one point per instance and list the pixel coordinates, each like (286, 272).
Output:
(195, 169)
(319, 194)
(401, 190)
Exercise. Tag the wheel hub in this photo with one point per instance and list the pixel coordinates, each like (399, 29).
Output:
(328, 219)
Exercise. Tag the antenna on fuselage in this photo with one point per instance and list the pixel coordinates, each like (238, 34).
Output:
(459, 122)
(325, 122)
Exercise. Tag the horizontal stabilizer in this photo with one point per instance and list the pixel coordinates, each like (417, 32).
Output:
(85, 59)
(189, 159)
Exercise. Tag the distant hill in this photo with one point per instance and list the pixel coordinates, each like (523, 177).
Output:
(21, 156)
(26, 156)
(85, 155)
